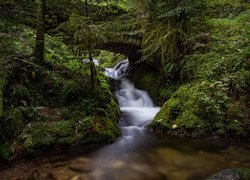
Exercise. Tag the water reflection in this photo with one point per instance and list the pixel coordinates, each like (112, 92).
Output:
(160, 159)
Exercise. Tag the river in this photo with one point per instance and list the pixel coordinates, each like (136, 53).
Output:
(138, 154)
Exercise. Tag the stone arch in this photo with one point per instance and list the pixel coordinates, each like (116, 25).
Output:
(133, 52)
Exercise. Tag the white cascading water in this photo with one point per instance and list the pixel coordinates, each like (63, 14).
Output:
(133, 102)
(137, 112)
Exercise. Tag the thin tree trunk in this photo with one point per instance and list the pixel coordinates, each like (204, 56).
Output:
(92, 65)
(40, 31)
(92, 70)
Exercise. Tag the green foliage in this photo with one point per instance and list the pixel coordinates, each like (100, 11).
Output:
(5, 152)
(21, 90)
(244, 173)
(109, 59)
(17, 123)
(15, 39)
(72, 90)
(213, 79)
(166, 93)
(163, 40)
(3, 83)
(44, 134)
(86, 34)
(34, 97)
(166, 31)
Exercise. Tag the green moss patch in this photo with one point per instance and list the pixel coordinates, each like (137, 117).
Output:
(212, 93)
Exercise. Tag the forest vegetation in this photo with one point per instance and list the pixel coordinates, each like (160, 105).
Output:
(192, 56)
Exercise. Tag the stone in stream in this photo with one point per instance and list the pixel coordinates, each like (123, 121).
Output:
(81, 165)
(232, 174)
(118, 165)
(80, 178)
(144, 171)
(80, 168)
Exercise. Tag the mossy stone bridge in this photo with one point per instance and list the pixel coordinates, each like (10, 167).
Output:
(124, 43)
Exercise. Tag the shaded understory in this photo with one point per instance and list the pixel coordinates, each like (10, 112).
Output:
(49, 105)
(206, 93)
(45, 107)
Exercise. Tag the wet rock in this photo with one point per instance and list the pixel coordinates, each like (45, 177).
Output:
(79, 178)
(147, 172)
(81, 168)
(81, 160)
(81, 165)
(97, 174)
(118, 165)
(232, 174)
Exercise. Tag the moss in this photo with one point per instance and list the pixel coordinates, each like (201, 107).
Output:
(166, 93)
(45, 134)
(214, 81)
(146, 77)
(18, 39)
(87, 118)
(189, 121)
(71, 91)
(244, 173)
(57, 106)
(109, 59)
(73, 132)
(201, 108)
(111, 131)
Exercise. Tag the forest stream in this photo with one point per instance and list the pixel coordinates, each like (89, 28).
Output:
(137, 154)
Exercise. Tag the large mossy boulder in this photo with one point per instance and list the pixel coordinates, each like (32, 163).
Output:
(199, 109)
(51, 107)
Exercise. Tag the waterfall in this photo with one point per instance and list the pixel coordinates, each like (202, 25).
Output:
(118, 71)
(134, 102)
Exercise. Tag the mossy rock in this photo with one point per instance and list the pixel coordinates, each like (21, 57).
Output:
(232, 174)
(40, 136)
(201, 109)
(145, 77)
(54, 108)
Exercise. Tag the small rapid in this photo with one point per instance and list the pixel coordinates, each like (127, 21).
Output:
(133, 102)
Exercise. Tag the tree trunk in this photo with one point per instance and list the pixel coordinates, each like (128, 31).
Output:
(92, 70)
(40, 30)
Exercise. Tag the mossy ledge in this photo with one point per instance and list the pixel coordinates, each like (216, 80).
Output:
(43, 107)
